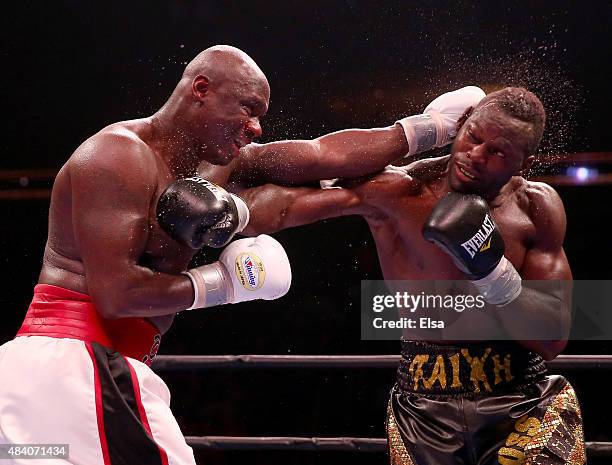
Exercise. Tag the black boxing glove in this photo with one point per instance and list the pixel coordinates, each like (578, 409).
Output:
(197, 213)
(462, 226)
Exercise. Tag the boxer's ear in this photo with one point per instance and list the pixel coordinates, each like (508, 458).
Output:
(199, 87)
(464, 118)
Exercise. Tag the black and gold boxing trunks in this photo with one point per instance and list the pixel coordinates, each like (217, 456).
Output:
(481, 404)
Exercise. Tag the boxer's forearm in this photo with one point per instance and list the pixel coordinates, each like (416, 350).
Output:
(348, 153)
(274, 208)
(141, 292)
(535, 312)
(353, 153)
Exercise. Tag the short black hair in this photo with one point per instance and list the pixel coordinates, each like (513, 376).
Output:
(523, 105)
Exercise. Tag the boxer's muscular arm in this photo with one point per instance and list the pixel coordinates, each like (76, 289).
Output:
(357, 152)
(113, 185)
(346, 154)
(545, 260)
(274, 207)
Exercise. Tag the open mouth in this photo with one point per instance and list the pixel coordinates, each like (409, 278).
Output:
(466, 173)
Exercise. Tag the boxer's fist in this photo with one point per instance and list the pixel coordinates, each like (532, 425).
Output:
(259, 268)
(448, 108)
(248, 269)
(235, 220)
(437, 126)
(198, 213)
(462, 226)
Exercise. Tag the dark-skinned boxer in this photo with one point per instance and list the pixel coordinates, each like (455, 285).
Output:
(114, 276)
(471, 215)
(122, 402)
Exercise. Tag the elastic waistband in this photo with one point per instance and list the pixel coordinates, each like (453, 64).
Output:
(63, 313)
(467, 369)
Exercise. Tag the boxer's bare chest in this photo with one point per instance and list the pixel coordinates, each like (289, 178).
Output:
(405, 255)
(162, 253)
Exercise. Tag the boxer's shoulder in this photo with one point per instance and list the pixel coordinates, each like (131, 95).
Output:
(117, 150)
(541, 192)
(544, 207)
(118, 138)
(537, 198)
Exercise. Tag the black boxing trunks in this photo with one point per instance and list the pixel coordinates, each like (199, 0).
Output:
(481, 404)
(71, 377)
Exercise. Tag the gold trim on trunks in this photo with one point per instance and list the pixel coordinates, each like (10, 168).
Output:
(397, 450)
(556, 438)
(481, 373)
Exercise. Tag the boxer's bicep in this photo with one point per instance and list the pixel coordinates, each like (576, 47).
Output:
(110, 207)
(545, 260)
(545, 265)
(286, 162)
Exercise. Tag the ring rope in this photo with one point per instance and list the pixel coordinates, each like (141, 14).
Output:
(287, 443)
(594, 449)
(250, 361)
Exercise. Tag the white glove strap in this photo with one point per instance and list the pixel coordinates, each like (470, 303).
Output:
(501, 286)
(329, 183)
(211, 286)
(243, 213)
(420, 131)
(442, 135)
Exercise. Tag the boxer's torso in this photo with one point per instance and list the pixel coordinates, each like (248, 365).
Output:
(402, 202)
(407, 202)
(62, 261)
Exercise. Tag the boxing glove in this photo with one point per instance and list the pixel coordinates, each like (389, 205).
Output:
(248, 269)
(197, 213)
(462, 226)
(437, 126)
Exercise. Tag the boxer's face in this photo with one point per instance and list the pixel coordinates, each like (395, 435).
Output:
(489, 149)
(232, 113)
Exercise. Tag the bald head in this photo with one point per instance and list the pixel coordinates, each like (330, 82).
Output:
(218, 103)
(224, 63)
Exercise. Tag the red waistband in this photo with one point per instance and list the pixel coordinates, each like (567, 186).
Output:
(62, 313)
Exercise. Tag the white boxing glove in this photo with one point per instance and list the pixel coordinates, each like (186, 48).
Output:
(248, 269)
(437, 126)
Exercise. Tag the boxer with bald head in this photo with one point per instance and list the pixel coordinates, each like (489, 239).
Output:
(470, 215)
(113, 276)
(128, 212)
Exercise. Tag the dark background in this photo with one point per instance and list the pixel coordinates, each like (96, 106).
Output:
(70, 68)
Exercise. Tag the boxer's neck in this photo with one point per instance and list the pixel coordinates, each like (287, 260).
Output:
(493, 197)
(181, 152)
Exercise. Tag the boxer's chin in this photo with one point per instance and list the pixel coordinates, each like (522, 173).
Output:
(456, 184)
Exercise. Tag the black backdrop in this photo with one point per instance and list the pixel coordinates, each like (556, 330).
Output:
(70, 68)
